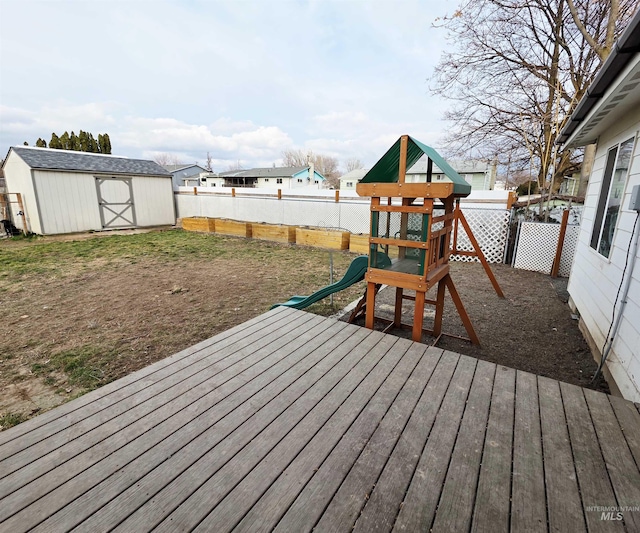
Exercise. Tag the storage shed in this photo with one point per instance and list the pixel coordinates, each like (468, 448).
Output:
(63, 191)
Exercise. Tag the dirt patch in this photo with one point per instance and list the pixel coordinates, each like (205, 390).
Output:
(77, 315)
(531, 329)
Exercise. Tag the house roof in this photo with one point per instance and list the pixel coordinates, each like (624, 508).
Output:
(355, 174)
(67, 160)
(175, 168)
(269, 172)
(461, 167)
(612, 94)
(386, 169)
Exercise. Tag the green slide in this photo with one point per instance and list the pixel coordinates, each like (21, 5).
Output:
(354, 274)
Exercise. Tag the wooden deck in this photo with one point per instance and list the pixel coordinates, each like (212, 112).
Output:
(292, 422)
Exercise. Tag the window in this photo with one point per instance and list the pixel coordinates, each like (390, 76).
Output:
(349, 184)
(278, 180)
(611, 193)
(266, 179)
(299, 180)
(316, 181)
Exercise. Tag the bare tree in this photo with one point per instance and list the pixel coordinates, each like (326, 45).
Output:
(352, 164)
(235, 166)
(208, 163)
(164, 159)
(325, 165)
(516, 71)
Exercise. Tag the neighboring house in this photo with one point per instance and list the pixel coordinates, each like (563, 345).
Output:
(349, 180)
(65, 191)
(211, 179)
(481, 175)
(275, 178)
(185, 175)
(193, 176)
(570, 185)
(605, 261)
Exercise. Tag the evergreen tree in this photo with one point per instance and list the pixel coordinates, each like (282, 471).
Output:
(25, 143)
(64, 141)
(74, 142)
(92, 144)
(55, 142)
(83, 141)
(105, 143)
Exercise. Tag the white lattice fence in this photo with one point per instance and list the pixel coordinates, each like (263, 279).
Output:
(490, 228)
(537, 244)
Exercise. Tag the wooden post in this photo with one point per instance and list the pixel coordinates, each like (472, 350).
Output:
(511, 199)
(402, 171)
(4, 209)
(418, 317)
(233, 192)
(279, 194)
(371, 305)
(563, 231)
(25, 230)
(449, 224)
(437, 321)
(337, 195)
(454, 244)
(397, 316)
(195, 191)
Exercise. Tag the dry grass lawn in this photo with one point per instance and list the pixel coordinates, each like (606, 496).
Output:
(79, 314)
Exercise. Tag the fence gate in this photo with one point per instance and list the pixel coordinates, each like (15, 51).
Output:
(115, 197)
(537, 244)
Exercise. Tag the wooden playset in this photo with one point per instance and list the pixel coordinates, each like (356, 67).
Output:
(402, 217)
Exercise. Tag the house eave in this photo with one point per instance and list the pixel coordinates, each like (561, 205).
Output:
(611, 74)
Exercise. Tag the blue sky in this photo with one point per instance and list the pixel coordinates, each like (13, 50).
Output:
(241, 79)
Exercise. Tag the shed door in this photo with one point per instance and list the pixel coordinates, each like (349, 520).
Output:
(115, 196)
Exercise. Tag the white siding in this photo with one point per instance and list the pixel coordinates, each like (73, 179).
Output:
(153, 201)
(68, 202)
(595, 279)
(18, 180)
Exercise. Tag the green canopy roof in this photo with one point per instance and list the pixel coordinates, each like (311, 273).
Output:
(386, 169)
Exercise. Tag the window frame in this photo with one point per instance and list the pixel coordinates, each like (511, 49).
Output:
(603, 204)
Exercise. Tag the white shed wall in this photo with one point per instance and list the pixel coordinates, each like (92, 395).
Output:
(153, 201)
(594, 279)
(68, 202)
(18, 180)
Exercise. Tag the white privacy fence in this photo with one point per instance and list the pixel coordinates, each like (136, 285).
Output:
(537, 245)
(350, 215)
(490, 226)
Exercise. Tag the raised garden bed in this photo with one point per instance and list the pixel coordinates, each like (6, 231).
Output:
(274, 232)
(198, 224)
(225, 226)
(321, 238)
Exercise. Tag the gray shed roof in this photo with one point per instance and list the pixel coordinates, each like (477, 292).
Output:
(49, 159)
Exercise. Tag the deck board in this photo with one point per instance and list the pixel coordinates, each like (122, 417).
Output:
(294, 422)
(563, 496)
(493, 496)
(528, 509)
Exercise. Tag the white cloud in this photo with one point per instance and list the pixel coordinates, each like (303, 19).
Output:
(237, 79)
